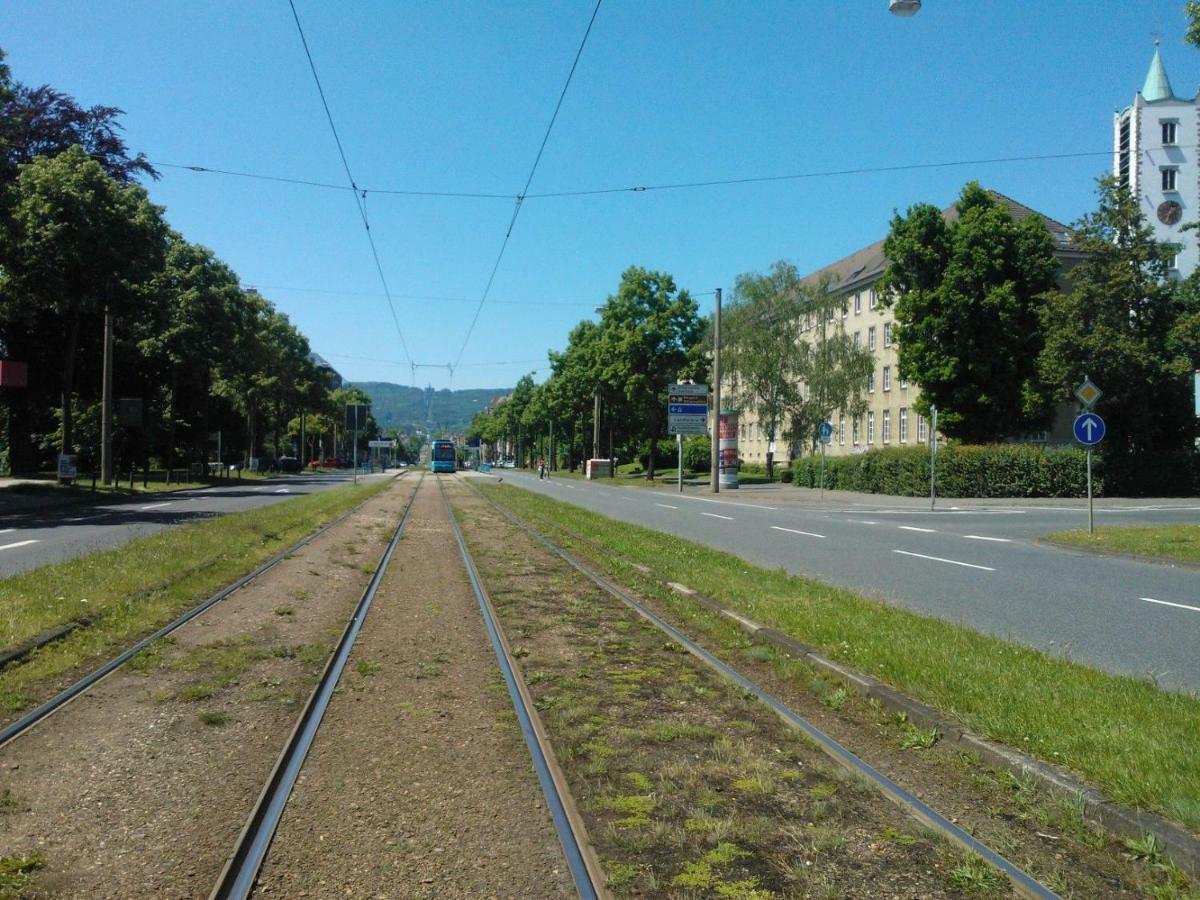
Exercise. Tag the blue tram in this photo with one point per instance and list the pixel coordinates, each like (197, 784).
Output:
(443, 457)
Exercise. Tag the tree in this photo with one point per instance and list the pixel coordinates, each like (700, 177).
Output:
(647, 330)
(1128, 326)
(788, 355)
(967, 295)
(44, 122)
(1191, 9)
(74, 242)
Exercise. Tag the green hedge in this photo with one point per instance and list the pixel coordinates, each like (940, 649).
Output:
(1002, 470)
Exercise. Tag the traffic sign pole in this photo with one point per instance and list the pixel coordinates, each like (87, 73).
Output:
(1091, 520)
(679, 446)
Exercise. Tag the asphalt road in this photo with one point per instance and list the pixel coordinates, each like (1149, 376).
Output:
(977, 563)
(33, 538)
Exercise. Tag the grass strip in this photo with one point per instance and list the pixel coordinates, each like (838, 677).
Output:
(136, 588)
(1123, 734)
(1171, 542)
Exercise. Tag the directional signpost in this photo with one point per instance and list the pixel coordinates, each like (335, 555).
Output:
(1089, 431)
(687, 413)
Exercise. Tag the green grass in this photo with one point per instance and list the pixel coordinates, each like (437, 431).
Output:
(1120, 733)
(1174, 542)
(138, 587)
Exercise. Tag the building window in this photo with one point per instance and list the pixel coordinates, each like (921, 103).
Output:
(841, 431)
(845, 309)
(904, 384)
(855, 430)
(920, 429)
(887, 378)
(871, 338)
(807, 321)
(1168, 132)
(857, 339)
(903, 425)
(857, 303)
(1124, 170)
(1168, 178)
(887, 426)
(870, 428)
(871, 298)
(871, 383)
(1176, 253)
(887, 334)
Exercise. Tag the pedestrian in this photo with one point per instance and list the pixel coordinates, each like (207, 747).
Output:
(541, 464)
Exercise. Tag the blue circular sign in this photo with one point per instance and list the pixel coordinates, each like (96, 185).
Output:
(1089, 429)
(824, 432)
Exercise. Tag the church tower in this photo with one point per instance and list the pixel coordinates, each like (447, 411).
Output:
(1156, 142)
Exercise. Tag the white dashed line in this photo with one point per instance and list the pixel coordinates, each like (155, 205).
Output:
(953, 562)
(915, 528)
(666, 506)
(980, 537)
(730, 503)
(863, 522)
(798, 531)
(156, 505)
(282, 491)
(6, 530)
(1160, 603)
(17, 544)
(715, 516)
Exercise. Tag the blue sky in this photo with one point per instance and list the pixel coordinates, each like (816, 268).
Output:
(456, 97)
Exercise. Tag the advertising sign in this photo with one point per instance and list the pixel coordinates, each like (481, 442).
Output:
(727, 447)
(67, 467)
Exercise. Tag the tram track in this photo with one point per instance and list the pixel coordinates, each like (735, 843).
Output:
(1022, 883)
(22, 725)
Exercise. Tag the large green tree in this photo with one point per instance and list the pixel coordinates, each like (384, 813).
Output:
(1131, 328)
(968, 291)
(648, 332)
(74, 242)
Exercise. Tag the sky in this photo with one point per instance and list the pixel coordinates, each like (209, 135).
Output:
(456, 97)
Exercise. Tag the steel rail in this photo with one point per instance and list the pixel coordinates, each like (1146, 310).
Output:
(1024, 884)
(581, 859)
(55, 703)
(241, 869)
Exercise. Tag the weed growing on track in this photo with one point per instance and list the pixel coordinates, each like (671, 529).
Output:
(140, 586)
(1121, 733)
(17, 874)
(214, 718)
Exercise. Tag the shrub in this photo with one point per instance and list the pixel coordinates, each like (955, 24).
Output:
(1002, 470)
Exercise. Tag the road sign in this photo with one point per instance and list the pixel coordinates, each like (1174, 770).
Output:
(1089, 429)
(390, 445)
(687, 409)
(825, 432)
(1088, 393)
(356, 416)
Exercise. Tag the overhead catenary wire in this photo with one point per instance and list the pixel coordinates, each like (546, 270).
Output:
(359, 202)
(528, 181)
(668, 186)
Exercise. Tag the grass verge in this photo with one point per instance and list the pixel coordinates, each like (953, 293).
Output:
(1121, 733)
(1170, 542)
(142, 585)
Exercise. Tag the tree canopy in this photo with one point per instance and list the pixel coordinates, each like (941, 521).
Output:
(968, 291)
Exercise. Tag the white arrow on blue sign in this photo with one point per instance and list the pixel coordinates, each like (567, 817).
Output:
(1089, 429)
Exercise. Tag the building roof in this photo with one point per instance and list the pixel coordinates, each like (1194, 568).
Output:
(1157, 86)
(868, 264)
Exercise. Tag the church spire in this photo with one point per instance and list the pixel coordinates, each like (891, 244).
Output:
(1157, 86)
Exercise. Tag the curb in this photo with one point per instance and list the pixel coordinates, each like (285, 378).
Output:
(1181, 845)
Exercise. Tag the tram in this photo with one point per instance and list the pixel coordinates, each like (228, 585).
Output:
(443, 456)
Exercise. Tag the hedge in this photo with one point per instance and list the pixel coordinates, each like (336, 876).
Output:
(1002, 470)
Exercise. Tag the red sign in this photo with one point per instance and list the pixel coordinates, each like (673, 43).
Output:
(13, 374)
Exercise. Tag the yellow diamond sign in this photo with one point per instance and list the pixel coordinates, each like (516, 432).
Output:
(1088, 393)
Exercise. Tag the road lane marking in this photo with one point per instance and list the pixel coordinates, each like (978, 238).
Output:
(798, 531)
(1160, 603)
(980, 537)
(729, 502)
(915, 528)
(953, 562)
(17, 544)
(666, 506)
(87, 518)
(282, 491)
(156, 505)
(715, 516)
(6, 530)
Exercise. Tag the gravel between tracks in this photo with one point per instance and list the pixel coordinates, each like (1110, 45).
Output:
(140, 787)
(419, 784)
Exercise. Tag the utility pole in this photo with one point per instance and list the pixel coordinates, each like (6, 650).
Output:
(106, 403)
(596, 425)
(716, 426)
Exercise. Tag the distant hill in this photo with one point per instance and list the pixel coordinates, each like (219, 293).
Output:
(412, 408)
